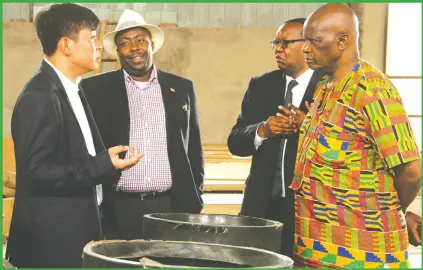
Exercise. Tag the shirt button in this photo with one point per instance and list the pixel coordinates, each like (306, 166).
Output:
(148, 179)
(146, 124)
(143, 107)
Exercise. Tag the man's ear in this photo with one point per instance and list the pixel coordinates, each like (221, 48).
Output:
(65, 45)
(152, 46)
(343, 40)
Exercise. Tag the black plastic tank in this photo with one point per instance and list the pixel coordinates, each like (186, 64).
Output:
(214, 228)
(175, 254)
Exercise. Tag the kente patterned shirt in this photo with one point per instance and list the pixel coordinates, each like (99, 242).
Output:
(347, 210)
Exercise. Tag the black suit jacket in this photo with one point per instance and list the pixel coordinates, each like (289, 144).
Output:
(261, 100)
(55, 212)
(106, 93)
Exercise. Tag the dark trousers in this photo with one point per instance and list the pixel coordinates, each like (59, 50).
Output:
(282, 209)
(129, 210)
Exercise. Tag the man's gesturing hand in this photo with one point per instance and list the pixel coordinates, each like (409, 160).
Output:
(133, 156)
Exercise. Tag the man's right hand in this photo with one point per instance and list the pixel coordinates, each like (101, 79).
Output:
(414, 227)
(274, 126)
(127, 163)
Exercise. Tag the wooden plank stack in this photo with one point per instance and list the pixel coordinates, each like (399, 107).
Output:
(224, 183)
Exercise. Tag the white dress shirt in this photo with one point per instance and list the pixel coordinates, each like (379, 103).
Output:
(72, 89)
(297, 96)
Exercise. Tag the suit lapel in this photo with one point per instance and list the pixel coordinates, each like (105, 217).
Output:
(120, 98)
(275, 89)
(45, 67)
(282, 81)
(277, 95)
(309, 93)
(98, 142)
(168, 101)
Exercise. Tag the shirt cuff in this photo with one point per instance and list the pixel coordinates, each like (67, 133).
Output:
(257, 139)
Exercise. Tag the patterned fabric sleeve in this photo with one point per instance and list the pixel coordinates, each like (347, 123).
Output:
(390, 128)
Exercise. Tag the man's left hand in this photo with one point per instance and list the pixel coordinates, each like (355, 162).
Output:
(296, 115)
(414, 226)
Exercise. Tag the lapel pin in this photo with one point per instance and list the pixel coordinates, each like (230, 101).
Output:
(172, 90)
(185, 107)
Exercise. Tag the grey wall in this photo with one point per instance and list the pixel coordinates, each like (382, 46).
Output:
(16, 11)
(233, 15)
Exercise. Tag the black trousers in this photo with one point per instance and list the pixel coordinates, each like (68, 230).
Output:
(282, 209)
(129, 210)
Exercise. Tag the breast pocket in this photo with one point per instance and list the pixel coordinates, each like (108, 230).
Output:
(182, 113)
(338, 148)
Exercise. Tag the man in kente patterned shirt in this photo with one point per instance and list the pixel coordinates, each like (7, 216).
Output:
(358, 166)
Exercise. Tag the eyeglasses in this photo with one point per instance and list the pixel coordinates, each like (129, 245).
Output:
(284, 43)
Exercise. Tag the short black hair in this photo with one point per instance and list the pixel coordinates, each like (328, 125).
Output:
(62, 20)
(296, 20)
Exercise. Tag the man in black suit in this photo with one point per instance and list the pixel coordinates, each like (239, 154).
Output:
(60, 157)
(269, 136)
(156, 111)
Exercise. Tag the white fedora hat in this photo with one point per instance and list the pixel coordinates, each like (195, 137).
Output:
(131, 19)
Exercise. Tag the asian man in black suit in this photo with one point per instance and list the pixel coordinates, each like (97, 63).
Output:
(60, 157)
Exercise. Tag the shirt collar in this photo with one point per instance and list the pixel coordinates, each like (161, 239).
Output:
(303, 79)
(355, 77)
(152, 76)
(67, 84)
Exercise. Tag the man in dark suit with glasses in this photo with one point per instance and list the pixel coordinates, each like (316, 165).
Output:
(271, 137)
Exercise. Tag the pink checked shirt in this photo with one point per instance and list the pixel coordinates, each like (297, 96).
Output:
(148, 132)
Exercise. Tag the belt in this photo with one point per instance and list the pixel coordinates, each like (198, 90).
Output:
(146, 195)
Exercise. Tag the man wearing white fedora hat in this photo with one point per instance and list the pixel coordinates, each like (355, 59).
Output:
(144, 106)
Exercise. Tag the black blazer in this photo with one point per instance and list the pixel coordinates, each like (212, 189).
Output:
(261, 100)
(55, 212)
(108, 99)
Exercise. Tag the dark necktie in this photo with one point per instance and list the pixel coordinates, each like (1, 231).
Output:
(278, 180)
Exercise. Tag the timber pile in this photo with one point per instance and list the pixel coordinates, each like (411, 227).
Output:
(217, 153)
(224, 180)
(224, 183)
